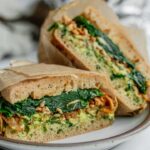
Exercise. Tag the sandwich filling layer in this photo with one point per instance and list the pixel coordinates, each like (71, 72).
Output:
(54, 114)
(103, 55)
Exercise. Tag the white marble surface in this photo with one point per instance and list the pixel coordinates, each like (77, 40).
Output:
(32, 57)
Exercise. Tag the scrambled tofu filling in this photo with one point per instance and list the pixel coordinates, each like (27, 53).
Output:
(96, 48)
(55, 113)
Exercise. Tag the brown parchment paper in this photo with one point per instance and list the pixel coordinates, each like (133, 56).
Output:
(13, 75)
(138, 36)
(49, 54)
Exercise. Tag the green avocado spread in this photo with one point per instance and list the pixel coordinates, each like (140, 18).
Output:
(57, 123)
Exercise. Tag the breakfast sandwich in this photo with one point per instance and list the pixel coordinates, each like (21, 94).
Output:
(91, 42)
(41, 103)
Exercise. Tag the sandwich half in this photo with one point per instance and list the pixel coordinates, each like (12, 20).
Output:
(42, 102)
(92, 42)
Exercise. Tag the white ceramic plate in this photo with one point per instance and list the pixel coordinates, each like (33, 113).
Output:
(123, 129)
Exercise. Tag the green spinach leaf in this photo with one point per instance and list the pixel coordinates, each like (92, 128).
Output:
(117, 76)
(139, 80)
(53, 26)
(67, 102)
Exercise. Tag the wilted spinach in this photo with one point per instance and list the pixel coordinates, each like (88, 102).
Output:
(139, 80)
(67, 102)
(110, 47)
(70, 101)
(53, 26)
(117, 76)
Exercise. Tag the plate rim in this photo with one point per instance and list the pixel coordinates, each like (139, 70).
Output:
(122, 136)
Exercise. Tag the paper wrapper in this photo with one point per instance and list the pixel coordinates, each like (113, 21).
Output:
(13, 75)
(49, 54)
(138, 36)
